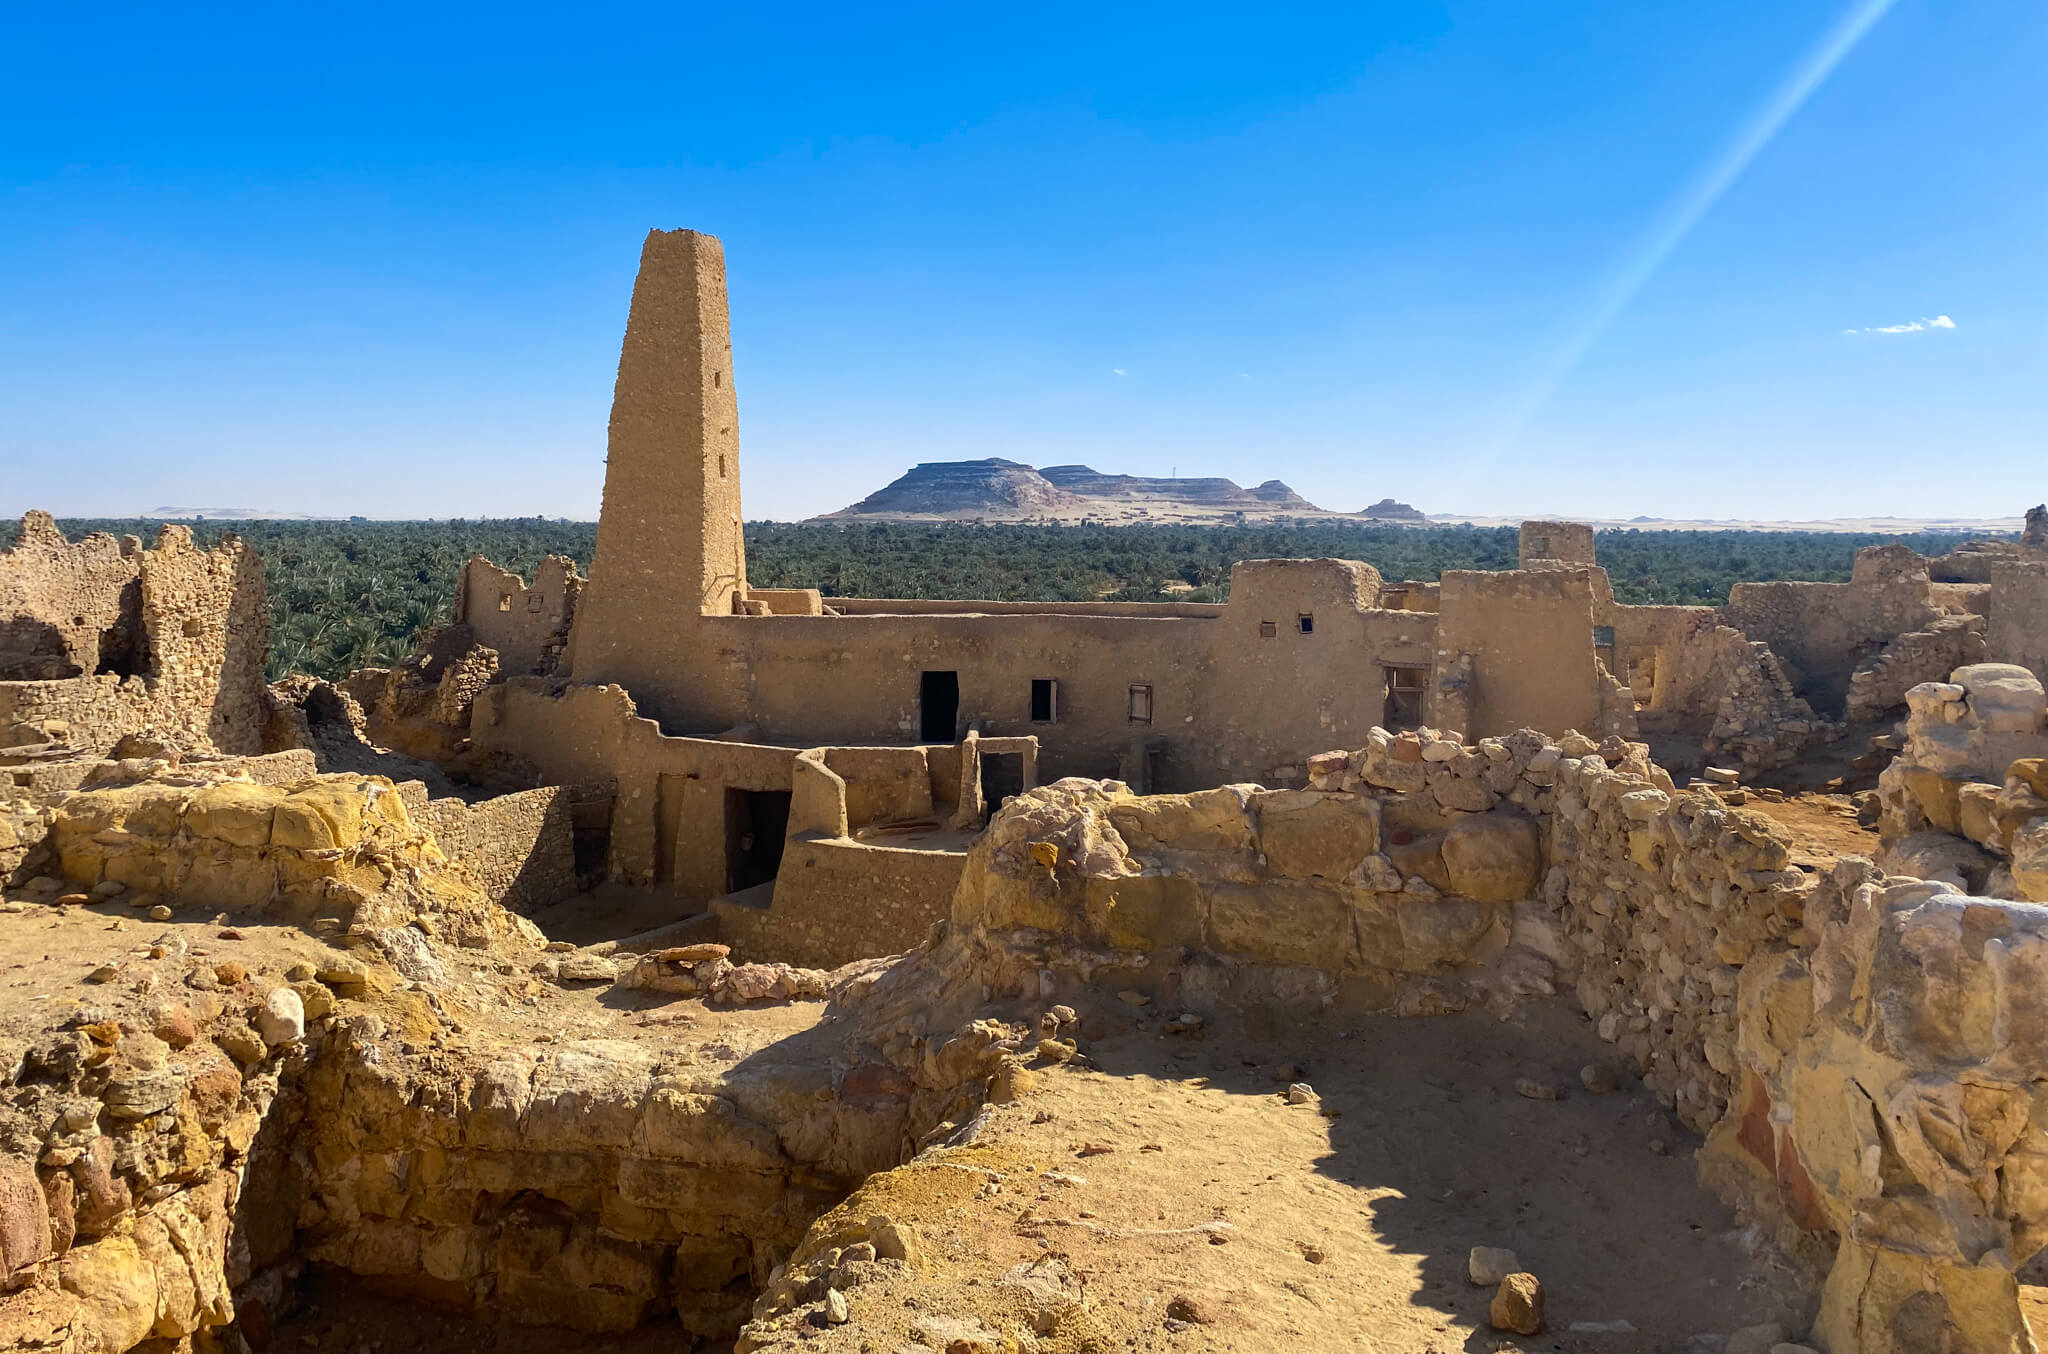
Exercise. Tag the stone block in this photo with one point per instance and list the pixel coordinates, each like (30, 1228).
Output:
(1151, 911)
(233, 812)
(1309, 834)
(1975, 816)
(1493, 857)
(1283, 923)
(705, 1129)
(1937, 795)
(1209, 820)
(1448, 931)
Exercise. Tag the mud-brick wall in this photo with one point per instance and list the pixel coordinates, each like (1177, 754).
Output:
(838, 901)
(527, 624)
(1822, 630)
(517, 848)
(2019, 615)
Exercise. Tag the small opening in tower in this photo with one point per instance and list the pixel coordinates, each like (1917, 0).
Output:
(721, 465)
(717, 379)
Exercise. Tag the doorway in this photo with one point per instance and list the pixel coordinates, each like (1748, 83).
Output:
(938, 706)
(1002, 777)
(756, 821)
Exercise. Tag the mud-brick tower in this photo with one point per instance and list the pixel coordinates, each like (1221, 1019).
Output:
(669, 549)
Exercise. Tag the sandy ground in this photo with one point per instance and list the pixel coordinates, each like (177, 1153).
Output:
(1823, 826)
(1349, 1221)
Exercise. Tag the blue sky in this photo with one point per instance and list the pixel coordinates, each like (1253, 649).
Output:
(1469, 255)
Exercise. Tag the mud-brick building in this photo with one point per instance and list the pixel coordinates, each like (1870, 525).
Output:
(718, 731)
(1305, 654)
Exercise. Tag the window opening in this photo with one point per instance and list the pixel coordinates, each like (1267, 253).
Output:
(1141, 703)
(1405, 686)
(1044, 700)
(1267, 629)
(1305, 623)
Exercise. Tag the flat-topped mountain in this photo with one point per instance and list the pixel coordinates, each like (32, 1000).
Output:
(999, 490)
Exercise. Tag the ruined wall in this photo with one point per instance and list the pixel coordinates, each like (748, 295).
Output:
(1891, 1067)
(666, 796)
(1879, 684)
(68, 610)
(856, 679)
(2018, 630)
(1543, 542)
(118, 638)
(1966, 801)
(528, 625)
(1866, 1054)
(1823, 630)
(1530, 638)
(838, 901)
(516, 848)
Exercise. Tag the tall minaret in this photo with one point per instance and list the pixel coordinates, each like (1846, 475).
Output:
(669, 548)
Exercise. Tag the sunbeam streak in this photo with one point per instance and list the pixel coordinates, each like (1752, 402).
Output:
(1684, 211)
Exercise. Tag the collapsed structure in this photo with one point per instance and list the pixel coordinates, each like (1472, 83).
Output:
(883, 958)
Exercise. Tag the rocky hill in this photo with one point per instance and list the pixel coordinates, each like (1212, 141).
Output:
(999, 490)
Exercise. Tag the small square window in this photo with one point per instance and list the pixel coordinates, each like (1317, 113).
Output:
(1141, 703)
(533, 601)
(1603, 636)
(1045, 700)
(504, 601)
(1268, 629)
(1305, 623)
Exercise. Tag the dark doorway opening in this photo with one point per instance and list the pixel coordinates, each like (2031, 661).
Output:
(1002, 777)
(122, 643)
(590, 836)
(938, 706)
(756, 821)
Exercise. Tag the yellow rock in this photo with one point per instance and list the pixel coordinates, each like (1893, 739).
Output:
(234, 812)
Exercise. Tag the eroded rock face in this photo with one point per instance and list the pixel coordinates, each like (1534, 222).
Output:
(1892, 1099)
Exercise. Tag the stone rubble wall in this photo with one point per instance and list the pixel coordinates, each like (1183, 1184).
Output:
(1966, 800)
(518, 848)
(1864, 1053)
(109, 638)
(1879, 684)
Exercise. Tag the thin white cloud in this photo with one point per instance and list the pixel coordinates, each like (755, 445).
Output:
(1119, 371)
(1912, 327)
